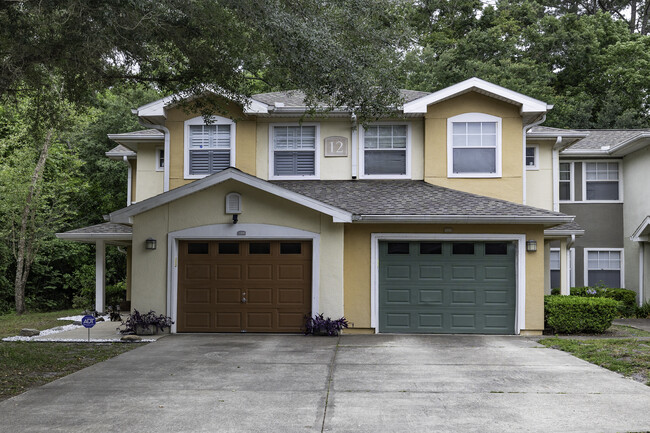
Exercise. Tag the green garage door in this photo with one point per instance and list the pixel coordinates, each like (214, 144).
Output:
(447, 287)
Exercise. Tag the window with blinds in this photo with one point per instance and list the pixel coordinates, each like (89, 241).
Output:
(294, 150)
(384, 150)
(209, 149)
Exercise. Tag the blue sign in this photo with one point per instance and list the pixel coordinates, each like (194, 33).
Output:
(88, 321)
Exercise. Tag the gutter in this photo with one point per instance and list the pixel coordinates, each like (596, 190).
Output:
(556, 173)
(354, 146)
(463, 219)
(129, 180)
(523, 163)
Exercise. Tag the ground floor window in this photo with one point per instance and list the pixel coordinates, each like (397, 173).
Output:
(604, 267)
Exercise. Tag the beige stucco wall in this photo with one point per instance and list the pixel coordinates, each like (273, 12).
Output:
(149, 181)
(207, 207)
(357, 267)
(636, 207)
(539, 182)
(510, 185)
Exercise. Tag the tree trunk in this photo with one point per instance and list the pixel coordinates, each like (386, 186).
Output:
(633, 16)
(24, 256)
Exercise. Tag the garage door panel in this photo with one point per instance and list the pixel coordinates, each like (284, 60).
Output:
(448, 293)
(398, 272)
(274, 281)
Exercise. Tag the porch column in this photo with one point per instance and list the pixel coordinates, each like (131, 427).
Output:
(100, 272)
(564, 268)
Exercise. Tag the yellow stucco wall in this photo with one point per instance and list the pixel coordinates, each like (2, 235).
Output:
(510, 185)
(207, 207)
(539, 182)
(149, 181)
(357, 266)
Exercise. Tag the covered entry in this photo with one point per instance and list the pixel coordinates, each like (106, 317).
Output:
(244, 286)
(447, 287)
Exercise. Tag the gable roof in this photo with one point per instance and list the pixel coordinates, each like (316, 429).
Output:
(110, 232)
(614, 142)
(145, 135)
(642, 233)
(527, 104)
(296, 98)
(119, 152)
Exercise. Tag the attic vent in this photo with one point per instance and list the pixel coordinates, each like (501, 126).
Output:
(233, 203)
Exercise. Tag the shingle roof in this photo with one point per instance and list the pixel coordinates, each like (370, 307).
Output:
(557, 131)
(406, 197)
(142, 133)
(296, 98)
(568, 227)
(120, 150)
(599, 138)
(102, 229)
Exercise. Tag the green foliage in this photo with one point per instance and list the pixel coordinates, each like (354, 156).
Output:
(643, 312)
(575, 314)
(627, 298)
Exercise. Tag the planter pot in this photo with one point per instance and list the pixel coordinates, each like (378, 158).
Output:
(146, 330)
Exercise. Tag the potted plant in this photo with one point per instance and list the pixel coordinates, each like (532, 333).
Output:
(146, 324)
(319, 325)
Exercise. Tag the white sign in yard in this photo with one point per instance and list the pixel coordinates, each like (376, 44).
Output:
(88, 322)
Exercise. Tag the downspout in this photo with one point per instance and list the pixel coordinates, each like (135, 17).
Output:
(569, 245)
(129, 177)
(523, 160)
(641, 272)
(165, 131)
(556, 174)
(354, 134)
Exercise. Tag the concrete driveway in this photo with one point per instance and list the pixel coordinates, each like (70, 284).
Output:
(379, 383)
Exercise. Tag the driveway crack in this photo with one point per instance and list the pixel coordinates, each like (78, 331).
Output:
(329, 381)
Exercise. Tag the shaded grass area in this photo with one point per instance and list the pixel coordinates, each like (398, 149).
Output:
(25, 365)
(629, 357)
(11, 324)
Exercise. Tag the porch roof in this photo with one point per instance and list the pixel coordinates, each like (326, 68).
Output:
(111, 233)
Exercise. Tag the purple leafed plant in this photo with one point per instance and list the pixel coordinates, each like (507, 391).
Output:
(137, 319)
(319, 325)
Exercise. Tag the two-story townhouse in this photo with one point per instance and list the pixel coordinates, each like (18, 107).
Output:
(420, 223)
(603, 182)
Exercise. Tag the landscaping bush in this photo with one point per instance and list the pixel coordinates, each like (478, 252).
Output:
(627, 298)
(643, 312)
(576, 314)
(555, 291)
(319, 325)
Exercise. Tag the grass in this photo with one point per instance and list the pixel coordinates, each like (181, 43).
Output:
(630, 357)
(25, 365)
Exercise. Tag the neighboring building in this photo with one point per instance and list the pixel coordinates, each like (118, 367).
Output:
(440, 220)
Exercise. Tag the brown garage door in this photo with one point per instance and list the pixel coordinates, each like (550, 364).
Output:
(256, 286)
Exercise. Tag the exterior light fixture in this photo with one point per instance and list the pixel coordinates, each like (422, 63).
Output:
(531, 246)
(150, 244)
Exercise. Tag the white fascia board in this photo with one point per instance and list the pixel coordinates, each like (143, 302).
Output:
(584, 152)
(124, 215)
(134, 138)
(631, 145)
(528, 104)
(465, 219)
(642, 233)
(94, 236)
(562, 233)
(157, 108)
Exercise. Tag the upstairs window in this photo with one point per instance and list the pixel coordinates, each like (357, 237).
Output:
(602, 181)
(474, 145)
(160, 158)
(385, 150)
(209, 148)
(531, 158)
(566, 181)
(294, 151)
(604, 267)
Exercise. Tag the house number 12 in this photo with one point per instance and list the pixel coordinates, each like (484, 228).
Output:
(336, 146)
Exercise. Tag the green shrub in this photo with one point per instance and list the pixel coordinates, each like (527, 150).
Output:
(115, 294)
(555, 291)
(627, 298)
(576, 314)
(643, 312)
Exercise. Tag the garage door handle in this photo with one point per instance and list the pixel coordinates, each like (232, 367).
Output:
(243, 300)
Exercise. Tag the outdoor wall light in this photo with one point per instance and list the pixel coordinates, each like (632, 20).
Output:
(150, 244)
(531, 246)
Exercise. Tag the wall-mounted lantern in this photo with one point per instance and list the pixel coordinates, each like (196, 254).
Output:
(531, 246)
(233, 206)
(150, 244)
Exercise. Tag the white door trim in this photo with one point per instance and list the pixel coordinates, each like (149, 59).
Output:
(520, 266)
(240, 232)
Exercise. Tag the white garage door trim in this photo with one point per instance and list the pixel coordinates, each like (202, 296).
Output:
(520, 266)
(239, 232)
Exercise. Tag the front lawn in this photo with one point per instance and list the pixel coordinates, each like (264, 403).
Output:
(630, 357)
(25, 365)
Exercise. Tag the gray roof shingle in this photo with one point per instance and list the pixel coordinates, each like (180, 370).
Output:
(143, 133)
(599, 138)
(296, 98)
(102, 229)
(407, 197)
(572, 226)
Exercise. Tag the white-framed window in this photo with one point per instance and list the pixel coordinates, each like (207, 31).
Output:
(604, 266)
(293, 150)
(566, 181)
(554, 266)
(532, 157)
(160, 158)
(474, 145)
(602, 181)
(385, 151)
(209, 148)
